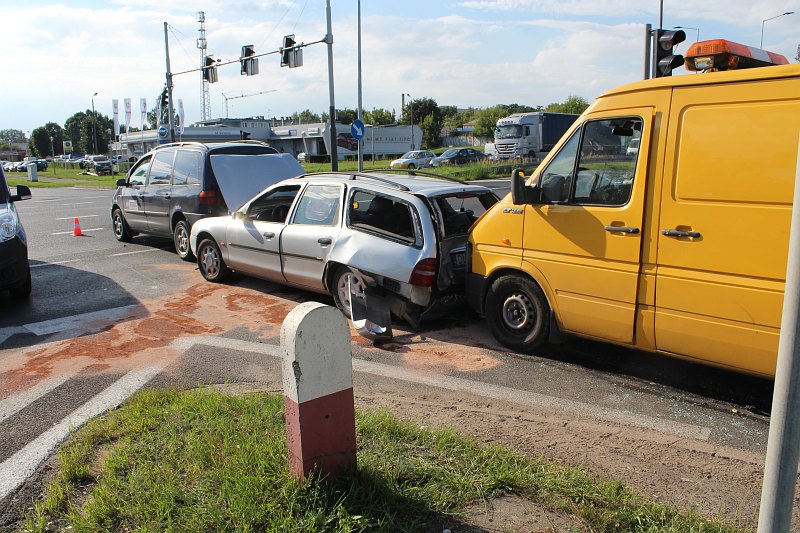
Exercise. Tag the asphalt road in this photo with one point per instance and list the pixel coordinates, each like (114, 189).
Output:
(94, 298)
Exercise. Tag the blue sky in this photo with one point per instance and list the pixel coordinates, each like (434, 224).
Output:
(464, 53)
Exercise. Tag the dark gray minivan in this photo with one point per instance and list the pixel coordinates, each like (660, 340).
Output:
(174, 185)
(15, 272)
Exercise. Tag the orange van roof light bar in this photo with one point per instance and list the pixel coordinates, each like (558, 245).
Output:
(720, 54)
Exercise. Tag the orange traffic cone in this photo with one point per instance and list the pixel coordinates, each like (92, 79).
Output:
(77, 231)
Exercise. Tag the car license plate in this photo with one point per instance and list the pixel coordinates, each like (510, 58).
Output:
(458, 259)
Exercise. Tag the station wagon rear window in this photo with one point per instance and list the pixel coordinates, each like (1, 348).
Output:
(382, 215)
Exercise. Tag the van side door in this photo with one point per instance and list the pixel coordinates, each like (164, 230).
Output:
(132, 201)
(158, 192)
(726, 206)
(583, 243)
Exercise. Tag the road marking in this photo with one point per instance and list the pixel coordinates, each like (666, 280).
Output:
(79, 216)
(13, 404)
(54, 263)
(17, 468)
(138, 252)
(77, 203)
(70, 232)
(487, 390)
(103, 316)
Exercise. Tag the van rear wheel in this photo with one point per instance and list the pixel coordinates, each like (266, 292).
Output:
(181, 237)
(517, 313)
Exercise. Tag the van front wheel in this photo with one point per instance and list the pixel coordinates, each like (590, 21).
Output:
(517, 313)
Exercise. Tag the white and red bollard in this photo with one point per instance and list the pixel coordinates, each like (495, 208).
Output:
(318, 390)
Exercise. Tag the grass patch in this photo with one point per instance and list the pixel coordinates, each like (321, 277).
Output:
(63, 177)
(206, 461)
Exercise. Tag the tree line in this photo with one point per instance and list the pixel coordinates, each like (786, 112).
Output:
(93, 132)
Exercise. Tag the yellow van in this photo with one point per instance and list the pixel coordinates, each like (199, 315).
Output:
(678, 247)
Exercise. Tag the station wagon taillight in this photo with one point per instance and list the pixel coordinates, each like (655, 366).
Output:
(211, 198)
(424, 273)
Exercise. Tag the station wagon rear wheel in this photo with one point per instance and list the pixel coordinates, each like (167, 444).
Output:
(342, 279)
(181, 237)
(517, 313)
(210, 262)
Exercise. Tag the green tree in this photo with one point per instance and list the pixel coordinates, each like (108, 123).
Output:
(417, 110)
(573, 104)
(306, 116)
(343, 116)
(379, 117)
(46, 139)
(13, 136)
(485, 120)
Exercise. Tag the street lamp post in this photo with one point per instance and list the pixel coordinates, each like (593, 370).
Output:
(411, 112)
(761, 44)
(53, 154)
(94, 127)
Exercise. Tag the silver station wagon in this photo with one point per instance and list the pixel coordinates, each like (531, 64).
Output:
(380, 244)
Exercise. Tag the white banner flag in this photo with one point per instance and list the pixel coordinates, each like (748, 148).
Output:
(180, 113)
(143, 108)
(127, 114)
(115, 106)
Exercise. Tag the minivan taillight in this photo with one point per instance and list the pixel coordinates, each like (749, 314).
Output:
(211, 197)
(424, 273)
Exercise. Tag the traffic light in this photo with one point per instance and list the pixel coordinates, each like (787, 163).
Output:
(249, 63)
(209, 70)
(666, 61)
(286, 50)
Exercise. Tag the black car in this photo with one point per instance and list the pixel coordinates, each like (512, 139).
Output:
(99, 164)
(174, 185)
(458, 156)
(15, 272)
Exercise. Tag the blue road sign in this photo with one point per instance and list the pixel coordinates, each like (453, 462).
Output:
(357, 129)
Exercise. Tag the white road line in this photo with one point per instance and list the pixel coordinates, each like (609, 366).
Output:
(137, 252)
(54, 263)
(77, 203)
(79, 216)
(477, 387)
(56, 325)
(70, 232)
(5, 333)
(17, 468)
(18, 402)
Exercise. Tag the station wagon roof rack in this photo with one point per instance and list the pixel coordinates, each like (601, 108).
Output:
(357, 176)
(415, 172)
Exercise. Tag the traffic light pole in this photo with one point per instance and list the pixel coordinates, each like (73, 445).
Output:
(170, 118)
(648, 50)
(332, 116)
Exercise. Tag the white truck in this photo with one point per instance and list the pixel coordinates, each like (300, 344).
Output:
(528, 134)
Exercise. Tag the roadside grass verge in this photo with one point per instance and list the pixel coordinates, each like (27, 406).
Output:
(63, 177)
(207, 461)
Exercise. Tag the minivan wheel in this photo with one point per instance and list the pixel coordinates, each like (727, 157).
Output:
(210, 262)
(341, 289)
(517, 313)
(121, 231)
(23, 291)
(181, 236)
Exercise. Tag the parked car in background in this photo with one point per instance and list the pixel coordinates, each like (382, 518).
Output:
(414, 159)
(395, 241)
(15, 272)
(458, 156)
(172, 187)
(99, 164)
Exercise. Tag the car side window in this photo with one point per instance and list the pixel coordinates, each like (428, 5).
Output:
(188, 168)
(383, 215)
(273, 206)
(319, 206)
(161, 168)
(139, 175)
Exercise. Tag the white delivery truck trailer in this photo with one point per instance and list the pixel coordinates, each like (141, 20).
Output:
(528, 134)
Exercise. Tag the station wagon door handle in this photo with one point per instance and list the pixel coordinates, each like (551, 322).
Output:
(622, 229)
(268, 235)
(678, 233)
(324, 241)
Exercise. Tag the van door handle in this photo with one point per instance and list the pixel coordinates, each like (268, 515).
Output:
(269, 235)
(678, 233)
(324, 241)
(622, 229)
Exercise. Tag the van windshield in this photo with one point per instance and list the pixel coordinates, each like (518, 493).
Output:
(509, 131)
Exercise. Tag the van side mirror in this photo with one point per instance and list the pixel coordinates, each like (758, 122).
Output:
(122, 182)
(23, 193)
(522, 194)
